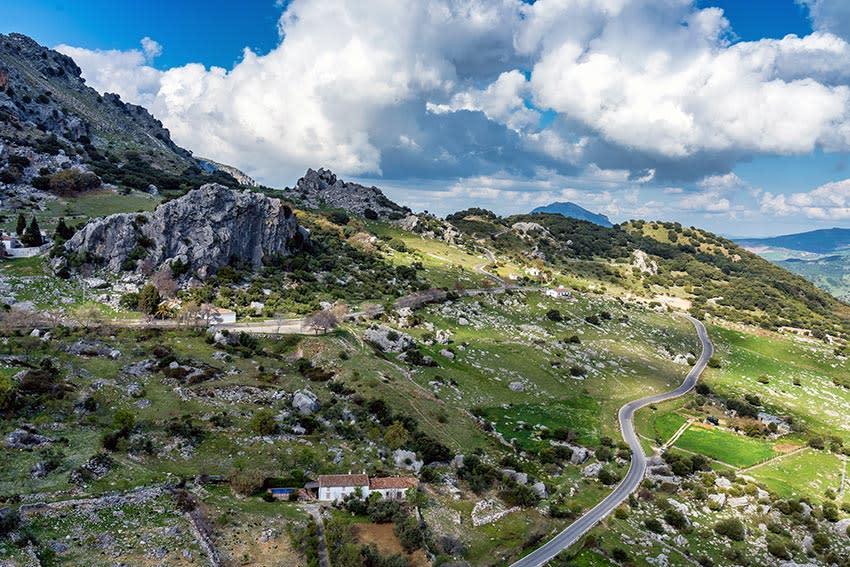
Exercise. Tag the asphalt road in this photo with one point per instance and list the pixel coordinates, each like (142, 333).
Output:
(637, 469)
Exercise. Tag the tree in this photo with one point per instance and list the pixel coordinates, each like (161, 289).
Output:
(395, 436)
(324, 320)
(21, 226)
(88, 316)
(63, 231)
(165, 283)
(53, 317)
(189, 313)
(149, 299)
(263, 422)
(124, 420)
(32, 235)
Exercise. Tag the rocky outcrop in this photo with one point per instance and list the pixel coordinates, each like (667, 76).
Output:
(204, 229)
(24, 438)
(305, 402)
(387, 339)
(323, 188)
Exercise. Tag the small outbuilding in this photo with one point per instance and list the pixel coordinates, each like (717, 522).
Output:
(392, 487)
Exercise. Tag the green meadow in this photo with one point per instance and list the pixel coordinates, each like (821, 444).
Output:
(725, 446)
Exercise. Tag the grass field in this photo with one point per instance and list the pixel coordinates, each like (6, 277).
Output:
(515, 422)
(806, 473)
(730, 448)
(799, 376)
(102, 203)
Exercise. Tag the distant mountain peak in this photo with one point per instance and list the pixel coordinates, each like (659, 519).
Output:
(573, 211)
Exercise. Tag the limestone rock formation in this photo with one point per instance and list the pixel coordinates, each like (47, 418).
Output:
(323, 188)
(203, 229)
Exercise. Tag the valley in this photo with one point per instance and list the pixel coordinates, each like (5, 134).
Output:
(188, 358)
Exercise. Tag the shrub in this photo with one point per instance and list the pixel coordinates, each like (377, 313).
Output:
(778, 549)
(149, 299)
(519, 495)
(246, 482)
(675, 518)
(395, 436)
(732, 528)
(608, 476)
(398, 245)
(554, 315)
(73, 181)
(9, 521)
(653, 525)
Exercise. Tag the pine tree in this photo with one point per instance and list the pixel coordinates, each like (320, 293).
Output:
(32, 235)
(149, 299)
(63, 231)
(22, 225)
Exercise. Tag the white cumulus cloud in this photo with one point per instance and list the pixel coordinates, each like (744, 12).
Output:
(827, 202)
(634, 93)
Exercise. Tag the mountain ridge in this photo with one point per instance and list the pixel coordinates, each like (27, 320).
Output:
(819, 241)
(572, 210)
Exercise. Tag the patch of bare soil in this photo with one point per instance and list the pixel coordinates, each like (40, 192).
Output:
(387, 542)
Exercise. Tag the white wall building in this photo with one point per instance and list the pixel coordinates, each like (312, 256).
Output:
(559, 292)
(334, 487)
(337, 486)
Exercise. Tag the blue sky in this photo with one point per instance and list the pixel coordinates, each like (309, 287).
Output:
(705, 112)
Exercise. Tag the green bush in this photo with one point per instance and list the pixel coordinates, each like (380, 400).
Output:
(732, 528)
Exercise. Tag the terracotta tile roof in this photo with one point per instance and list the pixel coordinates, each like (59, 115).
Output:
(387, 482)
(328, 480)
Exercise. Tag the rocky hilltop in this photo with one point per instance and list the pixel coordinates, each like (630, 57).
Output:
(240, 176)
(202, 231)
(322, 188)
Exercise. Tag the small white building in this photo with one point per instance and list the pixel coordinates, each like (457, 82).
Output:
(334, 487)
(559, 293)
(222, 316)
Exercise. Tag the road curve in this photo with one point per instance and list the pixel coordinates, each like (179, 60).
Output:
(637, 469)
(491, 259)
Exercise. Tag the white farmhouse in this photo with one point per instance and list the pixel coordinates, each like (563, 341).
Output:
(337, 486)
(559, 292)
(334, 487)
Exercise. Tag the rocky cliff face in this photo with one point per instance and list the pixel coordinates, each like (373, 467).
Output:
(44, 89)
(204, 229)
(50, 121)
(323, 188)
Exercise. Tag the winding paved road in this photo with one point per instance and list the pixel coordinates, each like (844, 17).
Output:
(633, 478)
